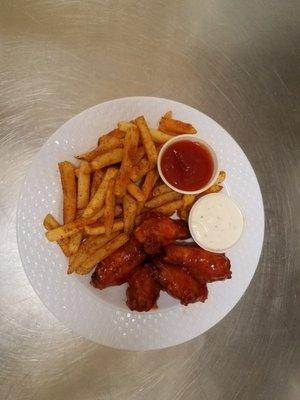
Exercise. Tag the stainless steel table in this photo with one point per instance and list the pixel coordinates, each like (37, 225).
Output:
(237, 62)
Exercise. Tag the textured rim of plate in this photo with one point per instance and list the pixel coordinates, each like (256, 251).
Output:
(118, 320)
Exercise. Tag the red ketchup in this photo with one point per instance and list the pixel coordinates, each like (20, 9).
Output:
(187, 165)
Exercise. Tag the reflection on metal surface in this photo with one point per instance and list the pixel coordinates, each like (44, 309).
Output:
(234, 61)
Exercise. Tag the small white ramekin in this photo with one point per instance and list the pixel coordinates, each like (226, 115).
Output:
(191, 138)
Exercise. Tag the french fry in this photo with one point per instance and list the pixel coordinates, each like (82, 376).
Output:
(106, 139)
(74, 242)
(168, 114)
(169, 208)
(129, 154)
(83, 186)
(129, 211)
(147, 140)
(147, 186)
(97, 201)
(162, 199)
(187, 202)
(96, 180)
(68, 182)
(173, 126)
(99, 229)
(159, 137)
(163, 188)
(109, 158)
(212, 189)
(67, 230)
(87, 265)
(221, 177)
(139, 170)
(139, 155)
(124, 125)
(51, 223)
(87, 248)
(109, 208)
(112, 143)
(136, 192)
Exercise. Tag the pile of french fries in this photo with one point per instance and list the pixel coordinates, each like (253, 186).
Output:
(104, 197)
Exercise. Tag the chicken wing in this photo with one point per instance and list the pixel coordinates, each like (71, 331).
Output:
(158, 230)
(179, 284)
(116, 268)
(143, 289)
(201, 264)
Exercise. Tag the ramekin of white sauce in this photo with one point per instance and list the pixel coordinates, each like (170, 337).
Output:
(216, 222)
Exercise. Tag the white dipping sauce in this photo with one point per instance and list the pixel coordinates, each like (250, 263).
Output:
(216, 222)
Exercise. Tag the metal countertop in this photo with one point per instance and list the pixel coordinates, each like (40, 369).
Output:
(235, 61)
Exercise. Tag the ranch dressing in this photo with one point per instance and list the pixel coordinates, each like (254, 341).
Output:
(216, 222)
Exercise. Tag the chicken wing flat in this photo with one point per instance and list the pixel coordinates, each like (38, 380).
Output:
(201, 264)
(179, 284)
(143, 290)
(116, 268)
(158, 230)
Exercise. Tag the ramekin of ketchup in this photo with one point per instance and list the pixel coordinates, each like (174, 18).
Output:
(187, 164)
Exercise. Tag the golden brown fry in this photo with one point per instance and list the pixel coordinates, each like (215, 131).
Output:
(96, 180)
(99, 229)
(112, 143)
(136, 192)
(147, 186)
(159, 137)
(75, 241)
(163, 188)
(169, 208)
(187, 201)
(51, 223)
(129, 211)
(109, 208)
(83, 186)
(87, 248)
(168, 114)
(109, 158)
(221, 177)
(139, 155)
(68, 182)
(97, 201)
(106, 139)
(147, 140)
(212, 189)
(162, 199)
(173, 126)
(87, 265)
(124, 125)
(139, 170)
(129, 154)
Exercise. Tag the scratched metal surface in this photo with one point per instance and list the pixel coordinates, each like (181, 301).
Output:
(235, 61)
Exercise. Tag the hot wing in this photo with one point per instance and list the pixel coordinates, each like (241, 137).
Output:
(116, 268)
(143, 289)
(158, 230)
(201, 264)
(179, 284)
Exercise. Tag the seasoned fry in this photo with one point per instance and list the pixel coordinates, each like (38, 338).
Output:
(130, 149)
(99, 229)
(139, 155)
(109, 158)
(187, 202)
(112, 143)
(87, 265)
(96, 180)
(124, 125)
(51, 223)
(87, 248)
(147, 186)
(221, 177)
(147, 140)
(169, 125)
(83, 186)
(75, 241)
(169, 208)
(162, 199)
(136, 192)
(115, 133)
(97, 201)
(212, 189)
(163, 188)
(168, 114)
(159, 137)
(129, 211)
(139, 170)
(67, 230)
(109, 208)
(68, 182)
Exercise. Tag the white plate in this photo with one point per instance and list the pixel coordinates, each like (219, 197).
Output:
(102, 316)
